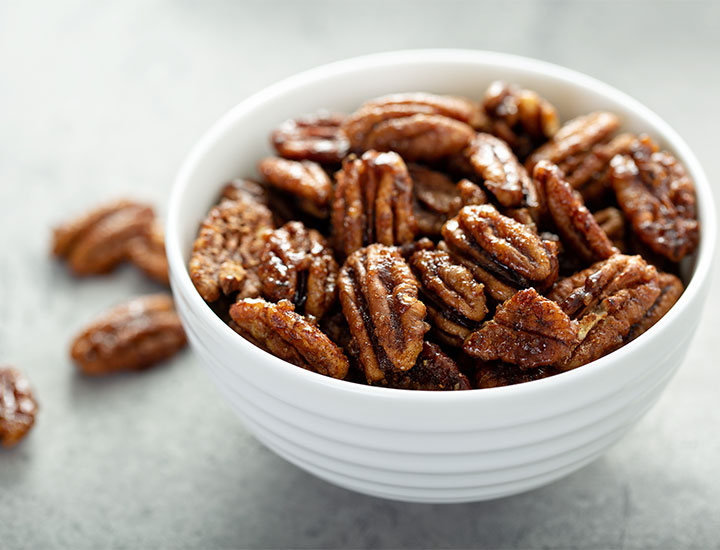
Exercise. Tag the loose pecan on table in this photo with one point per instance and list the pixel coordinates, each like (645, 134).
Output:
(147, 252)
(17, 406)
(277, 329)
(316, 137)
(658, 198)
(297, 265)
(96, 243)
(131, 336)
(373, 202)
(379, 298)
(305, 180)
(436, 199)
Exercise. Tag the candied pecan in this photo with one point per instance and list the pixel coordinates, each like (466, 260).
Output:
(226, 252)
(277, 329)
(519, 117)
(471, 193)
(305, 180)
(573, 221)
(373, 202)
(130, 336)
(407, 250)
(147, 252)
(670, 290)
(658, 198)
(297, 265)
(455, 301)
(96, 243)
(17, 406)
(315, 137)
(436, 199)
(495, 375)
(527, 330)
(612, 222)
(379, 297)
(433, 371)
(506, 254)
(239, 189)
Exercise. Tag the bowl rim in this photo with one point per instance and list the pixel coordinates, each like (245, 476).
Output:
(182, 285)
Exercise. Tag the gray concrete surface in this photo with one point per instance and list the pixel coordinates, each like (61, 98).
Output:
(100, 99)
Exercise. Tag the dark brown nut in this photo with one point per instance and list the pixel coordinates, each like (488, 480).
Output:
(305, 180)
(471, 193)
(505, 255)
(670, 290)
(436, 199)
(316, 137)
(527, 330)
(519, 117)
(495, 375)
(455, 301)
(227, 250)
(433, 371)
(17, 406)
(379, 298)
(373, 202)
(612, 222)
(407, 250)
(297, 265)
(132, 336)
(575, 137)
(96, 243)
(658, 198)
(502, 174)
(573, 221)
(277, 329)
(242, 189)
(147, 252)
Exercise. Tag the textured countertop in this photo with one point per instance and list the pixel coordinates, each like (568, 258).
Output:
(99, 100)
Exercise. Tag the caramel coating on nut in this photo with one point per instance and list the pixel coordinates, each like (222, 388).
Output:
(373, 202)
(17, 406)
(303, 179)
(471, 193)
(277, 329)
(316, 137)
(379, 298)
(147, 252)
(612, 222)
(527, 330)
(671, 288)
(131, 336)
(433, 371)
(495, 375)
(96, 242)
(296, 264)
(436, 199)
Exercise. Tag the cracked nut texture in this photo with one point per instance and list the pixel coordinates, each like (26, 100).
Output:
(17, 406)
(316, 137)
(131, 336)
(305, 180)
(379, 298)
(670, 290)
(436, 199)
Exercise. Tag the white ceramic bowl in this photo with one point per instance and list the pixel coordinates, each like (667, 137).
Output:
(413, 445)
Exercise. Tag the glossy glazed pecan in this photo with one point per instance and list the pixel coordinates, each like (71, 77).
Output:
(436, 199)
(658, 198)
(433, 371)
(527, 330)
(520, 117)
(296, 264)
(612, 222)
(504, 254)
(131, 336)
(373, 202)
(277, 329)
(379, 298)
(671, 288)
(575, 224)
(471, 193)
(227, 250)
(455, 301)
(495, 375)
(17, 406)
(96, 242)
(147, 252)
(316, 137)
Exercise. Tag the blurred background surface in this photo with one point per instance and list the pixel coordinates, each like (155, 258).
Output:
(100, 100)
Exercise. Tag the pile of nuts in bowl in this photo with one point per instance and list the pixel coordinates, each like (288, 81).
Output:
(432, 242)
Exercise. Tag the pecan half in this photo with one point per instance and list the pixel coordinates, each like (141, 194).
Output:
(277, 329)
(504, 254)
(147, 252)
(455, 301)
(495, 375)
(573, 221)
(297, 265)
(17, 406)
(96, 243)
(305, 180)
(436, 199)
(379, 298)
(658, 198)
(612, 222)
(671, 288)
(527, 330)
(134, 335)
(433, 371)
(519, 117)
(227, 250)
(316, 137)
(373, 202)
(471, 193)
